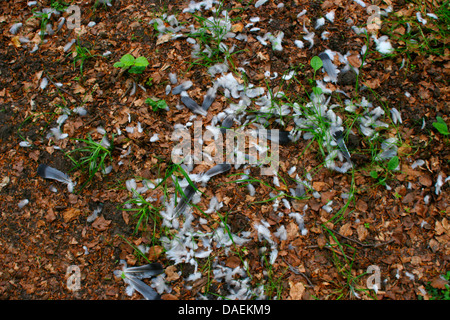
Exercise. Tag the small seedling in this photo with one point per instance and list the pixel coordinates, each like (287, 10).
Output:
(316, 64)
(441, 126)
(391, 166)
(157, 104)
(131, 64)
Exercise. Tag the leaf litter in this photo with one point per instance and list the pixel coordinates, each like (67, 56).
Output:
(253, 238)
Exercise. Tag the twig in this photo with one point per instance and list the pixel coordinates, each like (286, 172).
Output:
(62, 89)
(374, 245)
(298, 272)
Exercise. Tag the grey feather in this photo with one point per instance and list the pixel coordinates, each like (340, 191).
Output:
(189, 192)
(191, 104)
(329, 67)
(218, 169)
(182, 87)
(279, 136)
(227, 123)
(143, 288)
(145, 271)
(339, 137)
(209, 98)
(48, 172)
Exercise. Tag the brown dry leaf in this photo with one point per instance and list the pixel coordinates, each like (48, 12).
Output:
(439, 283)
(321, 241)
(164, 38)
(346, 229)
(101, 224)
(296, 291)
(4, 182)
(126, 217)
(71, 214)
(442, 227)
(373, 83)
(361, 205)
(354, 60)
(50, 216)
(233, 262)
(362, 232)
(425, 180)
(171, 273)
(155, 252)
(15, 41)
(238, 27)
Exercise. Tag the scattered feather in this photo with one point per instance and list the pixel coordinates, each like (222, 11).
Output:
(191, 104)
(44, 83)
(328, 65)
(25, 144)
(420, 18)
(182, 87)
(361, 3)
(69, 45)
(259, 3)
(209, 98)
(319, 23)
(15, 28)
(396, 116)
(330, 16)
(23, 203)
(48, 172)
(299, 44)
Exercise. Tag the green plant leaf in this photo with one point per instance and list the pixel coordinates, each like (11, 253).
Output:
(316, 63)
(119, 64)
(374, 174)
(136, 69)
(141, 62)
(441, 126)
(317, 91)
(393, 163)
(156, 104)
(127, 60)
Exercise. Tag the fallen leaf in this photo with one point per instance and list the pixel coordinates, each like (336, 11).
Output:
(425, 180)
(238, 27)
(101, 224)
(346, 229)
(233, 262)
(15, 41)
(354, 61)
(154, 252)
(296, 291)
(171, 273)
(439, 283)
(362, 232)
(164, 38)
(71, 214)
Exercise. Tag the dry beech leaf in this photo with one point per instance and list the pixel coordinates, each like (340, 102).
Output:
(346, 229)
(71, 214)
(238, 27)
(101, 224)
(171, 273)
(354, 61)
(439, 283)
(362, 232)
(297, 290)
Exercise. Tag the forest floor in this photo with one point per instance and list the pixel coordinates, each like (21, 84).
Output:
(382, 220)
